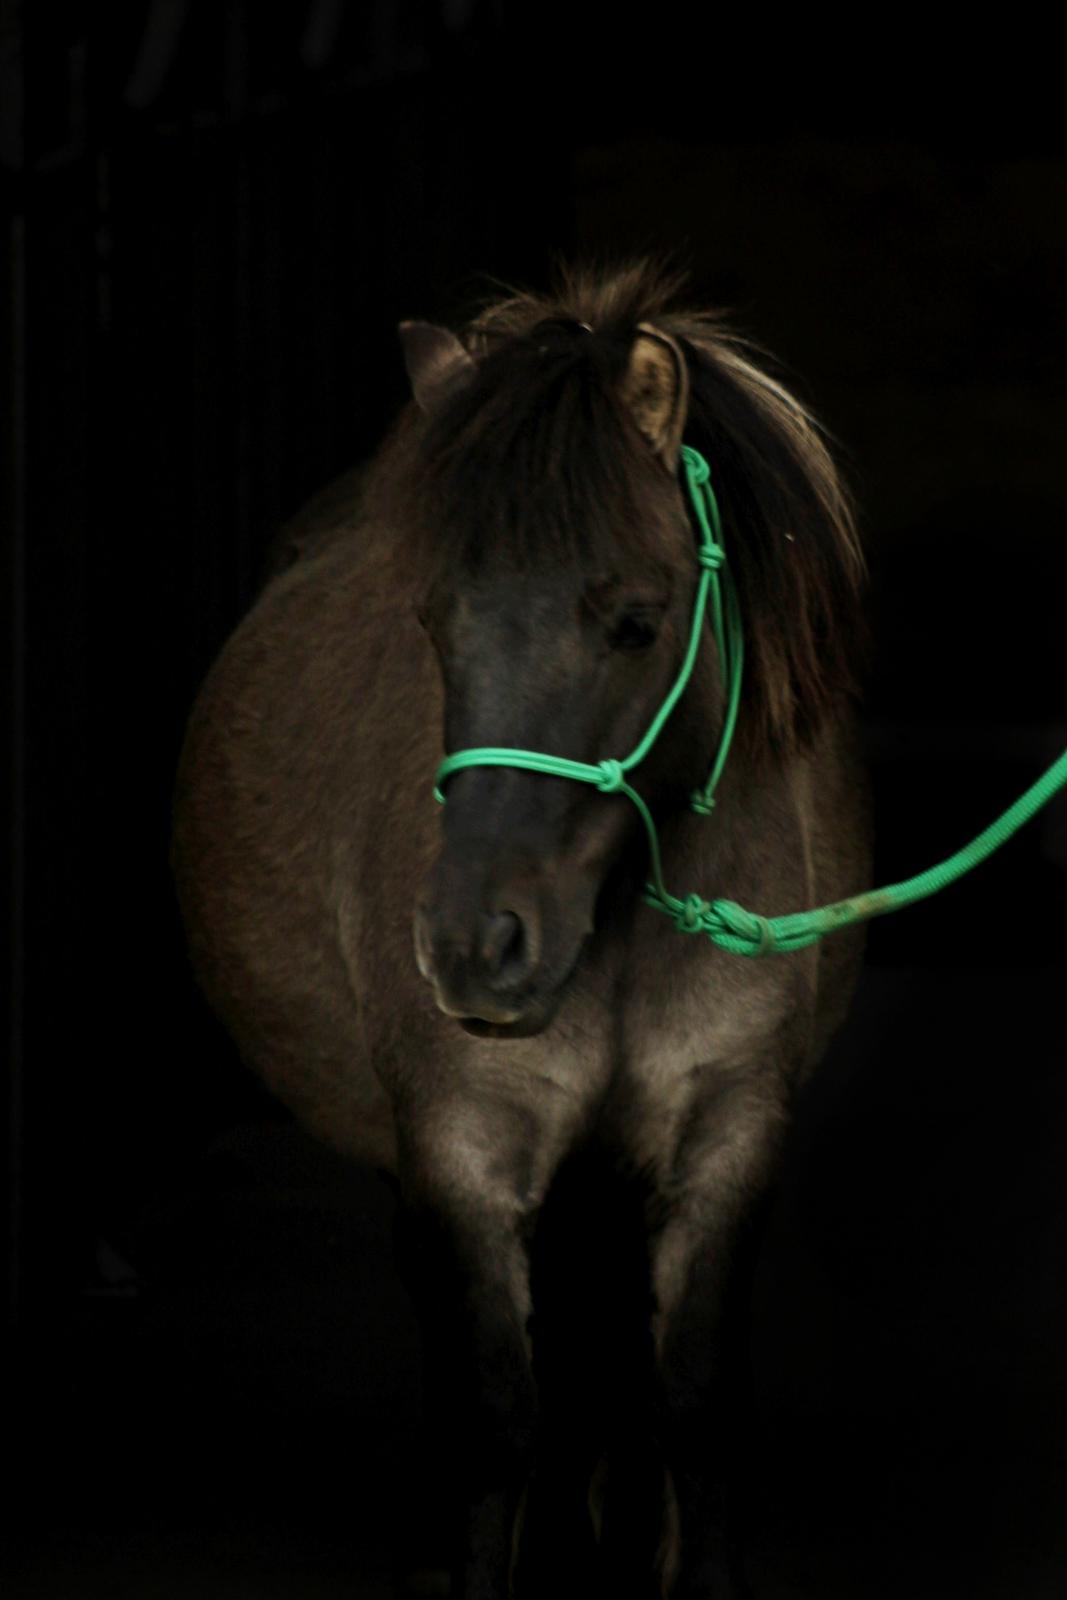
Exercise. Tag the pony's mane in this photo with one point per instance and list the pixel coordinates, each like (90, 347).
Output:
(536, 442)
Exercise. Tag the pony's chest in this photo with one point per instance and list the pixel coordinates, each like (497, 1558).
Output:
(699, 1040)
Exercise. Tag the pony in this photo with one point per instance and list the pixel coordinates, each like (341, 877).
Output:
(476, 999)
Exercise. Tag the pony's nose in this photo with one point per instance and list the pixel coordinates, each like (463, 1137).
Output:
(479, 939)
(503, 949)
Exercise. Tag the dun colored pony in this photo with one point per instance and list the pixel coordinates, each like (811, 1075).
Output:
(475, 998)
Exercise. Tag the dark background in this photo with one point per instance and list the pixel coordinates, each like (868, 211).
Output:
(214, 215)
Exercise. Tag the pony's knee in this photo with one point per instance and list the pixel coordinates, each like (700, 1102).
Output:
(458, 1156)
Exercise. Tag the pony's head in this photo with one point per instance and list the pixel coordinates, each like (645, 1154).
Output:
(537, 480)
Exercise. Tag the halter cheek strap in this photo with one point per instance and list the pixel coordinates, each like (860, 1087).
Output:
(609, 776)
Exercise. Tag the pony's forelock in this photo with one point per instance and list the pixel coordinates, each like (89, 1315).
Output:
(536, 453)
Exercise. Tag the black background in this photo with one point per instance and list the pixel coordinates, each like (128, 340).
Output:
(214, 217)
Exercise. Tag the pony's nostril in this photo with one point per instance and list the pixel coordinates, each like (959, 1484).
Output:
(503, 947)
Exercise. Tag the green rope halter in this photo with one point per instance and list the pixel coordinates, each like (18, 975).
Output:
(725, 923)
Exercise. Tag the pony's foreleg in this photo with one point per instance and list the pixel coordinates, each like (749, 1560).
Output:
(703, 1259)
(464, 1253)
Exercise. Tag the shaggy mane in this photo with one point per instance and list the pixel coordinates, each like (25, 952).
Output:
(536, 444)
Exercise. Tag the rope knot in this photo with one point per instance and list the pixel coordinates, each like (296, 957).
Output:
(689, 918)
(711, 556)
(695, 465)
(754, 930)
(612, 776)
(702, 804)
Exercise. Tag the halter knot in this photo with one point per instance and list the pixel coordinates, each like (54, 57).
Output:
(612, 776)
(711, 556)
(689, 918)
(746, 925)
(695, 465)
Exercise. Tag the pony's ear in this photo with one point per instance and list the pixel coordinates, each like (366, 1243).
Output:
(655, 387)
(435, 360)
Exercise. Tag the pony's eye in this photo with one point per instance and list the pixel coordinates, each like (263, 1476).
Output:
(635, 630)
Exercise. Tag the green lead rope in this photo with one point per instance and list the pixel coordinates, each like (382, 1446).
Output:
(726, 924)
(744, 933)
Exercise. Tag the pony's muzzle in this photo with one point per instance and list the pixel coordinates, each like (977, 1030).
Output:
(481, 958)
(503, 950)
